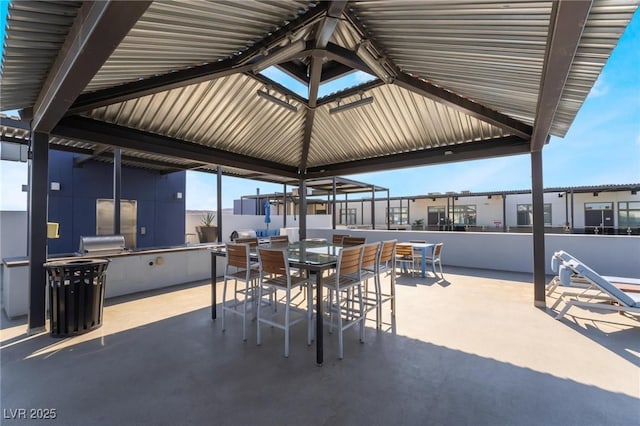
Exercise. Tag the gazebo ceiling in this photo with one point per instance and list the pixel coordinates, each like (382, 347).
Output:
(177, 83)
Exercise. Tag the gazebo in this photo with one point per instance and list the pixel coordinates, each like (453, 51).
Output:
(180, 84)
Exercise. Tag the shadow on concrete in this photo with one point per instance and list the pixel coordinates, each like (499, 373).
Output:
(606, 329)
(185, 370)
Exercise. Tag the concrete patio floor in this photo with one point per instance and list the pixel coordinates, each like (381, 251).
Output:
(471, 350)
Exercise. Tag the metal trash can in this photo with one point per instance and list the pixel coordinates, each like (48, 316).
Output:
(76, 295)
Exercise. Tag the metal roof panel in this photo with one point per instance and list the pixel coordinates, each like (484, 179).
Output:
(396, 121)
(225, 114)
(35, 32)
(174, 35)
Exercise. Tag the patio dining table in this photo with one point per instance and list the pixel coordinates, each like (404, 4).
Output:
(424, 248)
(313, 256)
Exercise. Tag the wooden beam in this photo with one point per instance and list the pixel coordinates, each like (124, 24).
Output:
(96, 32)
(568, 19)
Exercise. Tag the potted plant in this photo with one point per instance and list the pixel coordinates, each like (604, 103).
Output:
(418, 224)
(207, 232)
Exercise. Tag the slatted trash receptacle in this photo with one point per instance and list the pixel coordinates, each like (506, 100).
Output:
(76, 295)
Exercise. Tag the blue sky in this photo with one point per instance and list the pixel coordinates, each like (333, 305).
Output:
(601, 147)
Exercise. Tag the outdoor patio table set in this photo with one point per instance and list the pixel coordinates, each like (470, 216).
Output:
(315, 259)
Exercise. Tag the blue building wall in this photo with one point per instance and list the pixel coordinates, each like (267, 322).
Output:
(74, 206)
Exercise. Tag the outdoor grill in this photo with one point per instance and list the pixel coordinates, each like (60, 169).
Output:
(100, 245)
(246, 233)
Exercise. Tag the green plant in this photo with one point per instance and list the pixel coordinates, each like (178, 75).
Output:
(208, 219)
(418, 222)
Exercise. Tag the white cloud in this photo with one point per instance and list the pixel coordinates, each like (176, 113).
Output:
(362, 77)
(600, 88)
(12, 176)
(201, 191)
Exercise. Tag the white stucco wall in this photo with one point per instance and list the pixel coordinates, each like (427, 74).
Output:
(606, 254)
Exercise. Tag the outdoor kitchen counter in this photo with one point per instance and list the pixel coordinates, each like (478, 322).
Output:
(24, 260)
(129, 272)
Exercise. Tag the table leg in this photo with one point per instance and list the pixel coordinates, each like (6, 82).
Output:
(214, 273)
(424, 262)
(319, 325)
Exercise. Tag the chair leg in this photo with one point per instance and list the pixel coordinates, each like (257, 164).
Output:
(393, 295)
(330, 310)
(340, 349)
(244, 316)
(287, 310)
(258, 334)
(378, 285)
(224, 303)
(361, 319)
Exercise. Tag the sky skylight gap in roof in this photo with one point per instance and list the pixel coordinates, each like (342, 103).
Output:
(334, 86)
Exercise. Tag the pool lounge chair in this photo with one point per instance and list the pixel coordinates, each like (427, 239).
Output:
(578, 282)
(609, 297)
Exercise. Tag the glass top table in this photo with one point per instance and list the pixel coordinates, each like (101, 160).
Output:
(314, 256)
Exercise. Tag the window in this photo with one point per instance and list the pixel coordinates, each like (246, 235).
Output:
(629, 214)
(598, 215)
(525, 214)
(398, 215)
(464, 215)
(347, 216)
(436, 216)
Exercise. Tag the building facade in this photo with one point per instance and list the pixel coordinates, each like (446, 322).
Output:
(606, 209)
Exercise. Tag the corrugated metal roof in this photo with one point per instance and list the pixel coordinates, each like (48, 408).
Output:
(606, 23)
(396, 121)
(489, 52)
(8, 132)
(492, 52)
(35, 32)
(173, 35)
(225, 113)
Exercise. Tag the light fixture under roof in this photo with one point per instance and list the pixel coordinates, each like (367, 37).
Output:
(280, 55)
(354, 104)
(268, 96)
(375, 64)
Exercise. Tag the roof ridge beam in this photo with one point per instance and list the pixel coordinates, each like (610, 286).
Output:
(185, 77)
(568, 19)
(323, 34)
(95, 131)
(96, 32)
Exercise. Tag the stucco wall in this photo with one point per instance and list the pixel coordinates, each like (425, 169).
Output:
(606, 254)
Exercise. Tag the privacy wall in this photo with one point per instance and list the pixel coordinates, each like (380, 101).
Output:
(159, 211)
